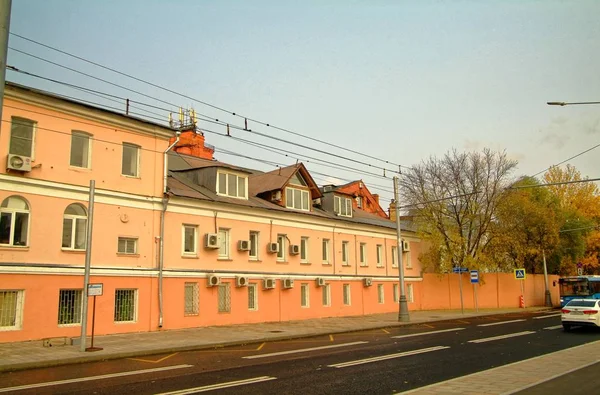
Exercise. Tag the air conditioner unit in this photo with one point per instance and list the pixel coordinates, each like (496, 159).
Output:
(269, 283)
(368, 281)
(405, 246)
(241, 281)
(18, 162)
(276, 196)
(243, 245)
(213, 280)
(273, 248)
(294, 249)
(320, 281)
(288, 283)
(211, 240)
(317, 202)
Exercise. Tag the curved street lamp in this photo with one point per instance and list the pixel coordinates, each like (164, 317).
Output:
(562, 103)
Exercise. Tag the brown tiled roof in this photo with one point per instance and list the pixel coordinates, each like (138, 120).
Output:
(182, 162)
(271, 181)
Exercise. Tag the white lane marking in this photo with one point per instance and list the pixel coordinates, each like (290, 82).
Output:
(427, 333)
(489, 339)
(303, 350)
(547, 316)
(91, 378)
(220, 386)
(500, 323)
(553, 327)
(386, 357)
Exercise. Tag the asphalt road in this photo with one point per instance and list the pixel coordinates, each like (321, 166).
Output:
(377, 361)
(581, 382)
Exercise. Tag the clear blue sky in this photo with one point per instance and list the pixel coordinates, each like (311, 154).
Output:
(400, 80)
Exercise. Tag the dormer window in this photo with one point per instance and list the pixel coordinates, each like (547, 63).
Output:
(232, 185)
(297, 199)
(342, 206)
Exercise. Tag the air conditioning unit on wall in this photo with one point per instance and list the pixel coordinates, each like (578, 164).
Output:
(211, 240)
(243, 245)
(288, 283)
(273, 248)
(405, 246)
(368, 281)
(320, 281)
(294, 249)
(269, 283)
(18, 162)
(241, 281)
(213, 280)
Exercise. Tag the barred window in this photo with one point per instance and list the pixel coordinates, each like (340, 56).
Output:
(380, 293)
(127, 245)
(252, 297)
(192, 306)
(11, 308)
(125, 305)
(224, 295)
(326, 295)
(69, 306)
(304, 298)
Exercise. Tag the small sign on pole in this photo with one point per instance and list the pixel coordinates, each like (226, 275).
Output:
(94, 290)
(520, 274)
(474, 277)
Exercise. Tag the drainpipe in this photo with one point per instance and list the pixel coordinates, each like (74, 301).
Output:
(161, 254)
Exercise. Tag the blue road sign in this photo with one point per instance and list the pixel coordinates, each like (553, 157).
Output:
(474, 277)
(520, 274)
(460, 270)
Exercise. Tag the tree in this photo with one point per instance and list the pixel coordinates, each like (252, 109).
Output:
(456, 198)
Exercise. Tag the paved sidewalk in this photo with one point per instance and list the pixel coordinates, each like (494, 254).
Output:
(32, 354)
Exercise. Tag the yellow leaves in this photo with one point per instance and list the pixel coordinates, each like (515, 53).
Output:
(582, 197)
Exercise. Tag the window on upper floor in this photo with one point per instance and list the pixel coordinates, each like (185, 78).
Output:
(342, 206)
(81, 144)
(253, 253)
(345, 253)
(298, 199)
(363, 254)
(304, 250)
(22, 137)
(14, 221)
(325, 251)
(281, 242)
(359, 202)
(131, 160)
(232, 185)
(127, 245)
(189, 240)
(394, 256)
(223, 243)
(74, 227)
(379, 255)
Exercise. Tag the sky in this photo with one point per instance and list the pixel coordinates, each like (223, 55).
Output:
(400, 81)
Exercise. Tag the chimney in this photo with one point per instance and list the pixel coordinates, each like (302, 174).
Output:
(393, 210)
(192, 143)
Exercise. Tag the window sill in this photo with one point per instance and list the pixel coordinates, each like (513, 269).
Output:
(305, 263)
(124, 322)
(125, 255)
(133, 177)
(224, 259)
(255, 260)
(364, 265)
(68, 325)
(190, 256)
(282, 262)
(9, 247)
(72, 251)
(326, 264)
(10, 328)
(346, 265)
(380, 267)
(81, 169)
(191, 315)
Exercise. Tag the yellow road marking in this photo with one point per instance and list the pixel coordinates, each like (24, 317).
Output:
(463, 321)
(261, 346)
(331, 337)
(429, 326)
(150, 361)
(385, 331)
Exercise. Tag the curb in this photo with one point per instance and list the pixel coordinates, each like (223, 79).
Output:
(165, 350)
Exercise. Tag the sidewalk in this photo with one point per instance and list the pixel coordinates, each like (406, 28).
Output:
(32, 354)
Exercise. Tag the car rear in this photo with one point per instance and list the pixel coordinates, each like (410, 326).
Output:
(581, 312)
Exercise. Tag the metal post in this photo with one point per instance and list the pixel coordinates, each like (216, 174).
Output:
(88, 260)
(476, 304)
(403, 308)
(548, 302)
(5, 7)
(462, 309)
(93, 322)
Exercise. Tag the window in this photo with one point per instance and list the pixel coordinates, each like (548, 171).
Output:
(379, 255)
(125, 305)
(131, 160)
(80, 149)
(297, 199)
(232, 185)
(304, 296)
(127, 245)
(224, 296)
(22, 137)
(74, 227)
(69, 306)
(14, 221)
(380, 293)
(359, 202)
(363, 254)
(396, 293)
(252, 297)
(326, 251)
(408, 261)
(190, 239)
(11, 309)
(394, 256)
(223, 243)
(409, 293)
(345, 253)
(282, 244)
(326, 295)
(342, 206)
(346, 291)
(304, 250)
(253, 246)
(191, 295)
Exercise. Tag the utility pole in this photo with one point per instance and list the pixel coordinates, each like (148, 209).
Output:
(5, 7)
(403, 313)
(88, 261)
(547, 293)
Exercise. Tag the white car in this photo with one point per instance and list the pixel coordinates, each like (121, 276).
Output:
(581, 312)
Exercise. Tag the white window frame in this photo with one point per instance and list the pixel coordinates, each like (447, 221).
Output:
(183, 240)
(347, 294)
(135, 306)
(345, 253)
(342, 206)
(224, 233)
(253, 297)
(410, 297)
(408, 260)
(282, 242)
(363, 254)
(379, 255)
(326, 296)
(394, 256)
(396, 289)
(325, 252)
(18, 309)
(138, 152)
(237, 176)
(74, 228)
(304, 198)
(227, 296)
(304, 258)
(256, 236)
(127, 241)
(191, 303)
(88, 157)
(33, 136)
(78, 299)
(304, 295)
(13, 220)
(380, 294)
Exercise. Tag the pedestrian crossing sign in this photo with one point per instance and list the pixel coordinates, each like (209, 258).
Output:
(520, 274)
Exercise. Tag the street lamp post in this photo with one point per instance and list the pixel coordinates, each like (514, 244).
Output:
(563, 103)
(403, 305)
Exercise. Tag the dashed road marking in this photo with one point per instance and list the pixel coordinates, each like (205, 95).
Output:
(151, 361)
(489, 339)
(502, 322)
(547, 316)
(386, 357)
(261, 346)
(273, 354)
(428, 333)
(553, 327)
(219, 386)
(385, 331)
